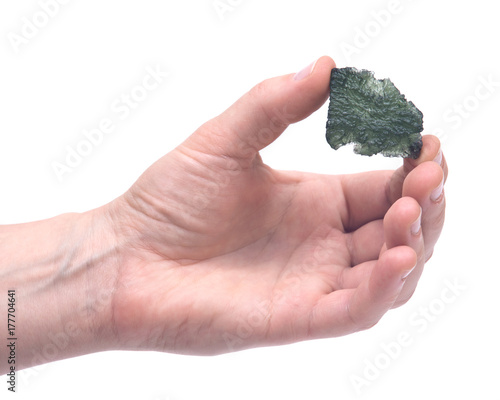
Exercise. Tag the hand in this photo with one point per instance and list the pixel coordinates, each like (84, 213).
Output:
(219, 252)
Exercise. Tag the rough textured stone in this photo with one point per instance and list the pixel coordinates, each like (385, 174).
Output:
(372, 114)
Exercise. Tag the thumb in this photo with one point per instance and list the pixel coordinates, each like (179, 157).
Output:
(262, 114)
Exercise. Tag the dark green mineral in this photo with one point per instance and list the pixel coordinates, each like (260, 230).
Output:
(373, 115)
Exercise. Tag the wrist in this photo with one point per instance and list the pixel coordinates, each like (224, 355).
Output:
(64, 271)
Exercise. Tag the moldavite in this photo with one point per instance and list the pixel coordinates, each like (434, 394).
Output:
(372, 114)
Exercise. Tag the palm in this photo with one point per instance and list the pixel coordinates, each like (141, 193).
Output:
(273, 245)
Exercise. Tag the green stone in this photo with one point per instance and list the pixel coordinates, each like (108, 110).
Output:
(373, 115)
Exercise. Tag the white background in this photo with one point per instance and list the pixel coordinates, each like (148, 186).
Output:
(439, 53)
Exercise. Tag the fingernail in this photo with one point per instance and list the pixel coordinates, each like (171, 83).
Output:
(415, 227)
(407, 273)
(304, 73)
(439, 157)
(437, 193)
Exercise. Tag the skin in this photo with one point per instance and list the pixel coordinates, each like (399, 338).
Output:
(213, 251)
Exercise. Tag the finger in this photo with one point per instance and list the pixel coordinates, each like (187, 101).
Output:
(431, 151)
(351, 278)
(402, 227)
(431, 148)
(369, 195)
(346, 311)
(376, 286)
(426, 185)
(366, 198)
(364, 243)
(262, 114)
(376, 295)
